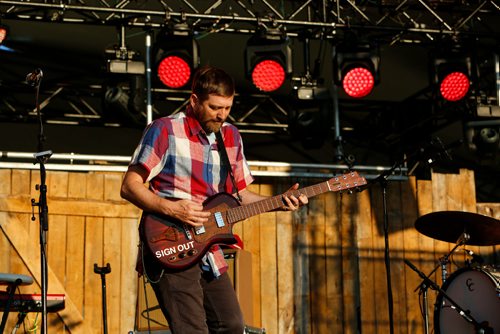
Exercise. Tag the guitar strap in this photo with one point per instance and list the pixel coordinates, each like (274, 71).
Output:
(225, 160)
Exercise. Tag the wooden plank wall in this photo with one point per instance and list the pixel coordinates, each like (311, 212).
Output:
(319, 270)
(88, 224)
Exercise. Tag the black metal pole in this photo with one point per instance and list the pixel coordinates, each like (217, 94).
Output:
(387, 259)
(11, 291)
(34, 79)
(103, 271)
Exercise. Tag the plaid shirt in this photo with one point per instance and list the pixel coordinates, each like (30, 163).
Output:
(184, 163)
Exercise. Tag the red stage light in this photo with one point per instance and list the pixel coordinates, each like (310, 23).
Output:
(268, 75)
(3, 34)
(454, 86)
(174, 71)
(358, 82)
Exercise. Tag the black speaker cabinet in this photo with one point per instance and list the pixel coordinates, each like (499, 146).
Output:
(240, 272)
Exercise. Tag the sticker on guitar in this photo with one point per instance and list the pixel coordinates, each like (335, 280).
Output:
(174, 249)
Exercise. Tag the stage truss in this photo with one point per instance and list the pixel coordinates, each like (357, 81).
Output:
(388, 22)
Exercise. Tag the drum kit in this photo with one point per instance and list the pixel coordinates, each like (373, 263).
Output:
(468, 301)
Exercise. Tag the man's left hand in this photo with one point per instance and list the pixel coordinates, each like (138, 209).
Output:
(292, 202)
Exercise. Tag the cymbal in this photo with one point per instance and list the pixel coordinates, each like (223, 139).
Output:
(449, 226)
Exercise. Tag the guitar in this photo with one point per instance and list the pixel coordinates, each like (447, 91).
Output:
(177, 245)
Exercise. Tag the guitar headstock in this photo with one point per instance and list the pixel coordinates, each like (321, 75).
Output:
(346, 181)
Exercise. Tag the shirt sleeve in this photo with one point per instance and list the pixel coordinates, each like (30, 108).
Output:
(151, 150)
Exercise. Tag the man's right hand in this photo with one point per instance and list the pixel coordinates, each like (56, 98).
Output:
(188, 212)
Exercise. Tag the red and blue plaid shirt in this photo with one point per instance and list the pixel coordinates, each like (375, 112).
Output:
(184, 163)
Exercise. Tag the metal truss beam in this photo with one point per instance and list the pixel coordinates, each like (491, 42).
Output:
(399, 20)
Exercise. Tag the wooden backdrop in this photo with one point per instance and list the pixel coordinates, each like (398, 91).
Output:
(319, 270)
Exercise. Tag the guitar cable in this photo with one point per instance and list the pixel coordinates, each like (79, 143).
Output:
(146, 279)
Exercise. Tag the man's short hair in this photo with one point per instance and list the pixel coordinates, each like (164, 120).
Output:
(212, 80)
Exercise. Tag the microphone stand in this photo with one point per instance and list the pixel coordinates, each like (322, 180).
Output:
(435, 151)
(43, 211)
(382, 179)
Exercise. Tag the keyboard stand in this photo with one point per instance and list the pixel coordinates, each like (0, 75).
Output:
(12, 281)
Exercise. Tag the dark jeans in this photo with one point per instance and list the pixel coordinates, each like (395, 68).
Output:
(194, 302)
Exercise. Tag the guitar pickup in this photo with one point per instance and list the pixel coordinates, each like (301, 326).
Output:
(219, 220)
(199, 230)
(188, 233)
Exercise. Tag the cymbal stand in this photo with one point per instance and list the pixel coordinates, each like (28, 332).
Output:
(481, 328)
(445, 259)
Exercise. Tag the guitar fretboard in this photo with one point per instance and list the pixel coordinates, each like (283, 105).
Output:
(239, 213)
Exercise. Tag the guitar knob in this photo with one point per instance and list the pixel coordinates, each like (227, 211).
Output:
(182, 255)
(192, 252)
(172, 258)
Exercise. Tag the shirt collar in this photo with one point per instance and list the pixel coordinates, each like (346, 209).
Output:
(194, 126)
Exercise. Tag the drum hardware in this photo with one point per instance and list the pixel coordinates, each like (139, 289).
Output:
(475, 258)
(450, 225)
(462, 228)
(443, 262)
(480, 328)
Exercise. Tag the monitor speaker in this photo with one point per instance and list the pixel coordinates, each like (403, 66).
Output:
(240, 273)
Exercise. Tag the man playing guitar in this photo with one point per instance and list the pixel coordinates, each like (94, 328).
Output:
(181, 157)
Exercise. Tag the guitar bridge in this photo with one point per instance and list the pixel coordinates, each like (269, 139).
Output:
(199, 230)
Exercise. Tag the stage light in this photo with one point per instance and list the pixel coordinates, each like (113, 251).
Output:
(124, 61)
(268, 60)
(124, 100)
(484, 139)
(307, 88)
(4, 32)
(356, 69)
(452, 72)
(310, 121)
(454, 86)
(176, 56)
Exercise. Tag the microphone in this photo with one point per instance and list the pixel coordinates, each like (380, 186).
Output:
(462, 240)
(33, 78)
(475, 257)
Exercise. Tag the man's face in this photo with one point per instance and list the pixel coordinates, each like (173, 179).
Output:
(212, 112)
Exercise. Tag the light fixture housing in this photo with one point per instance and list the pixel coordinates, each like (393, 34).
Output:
(483, 138)
(307, 88)
(451, 73)
(356, 68)
(4, 33)
(124, 61)
(268, 59)
(176, 56)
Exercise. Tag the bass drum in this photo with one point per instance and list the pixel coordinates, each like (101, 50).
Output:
(473, 289)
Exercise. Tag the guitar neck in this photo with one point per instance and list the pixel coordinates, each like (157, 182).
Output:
(272, 203)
